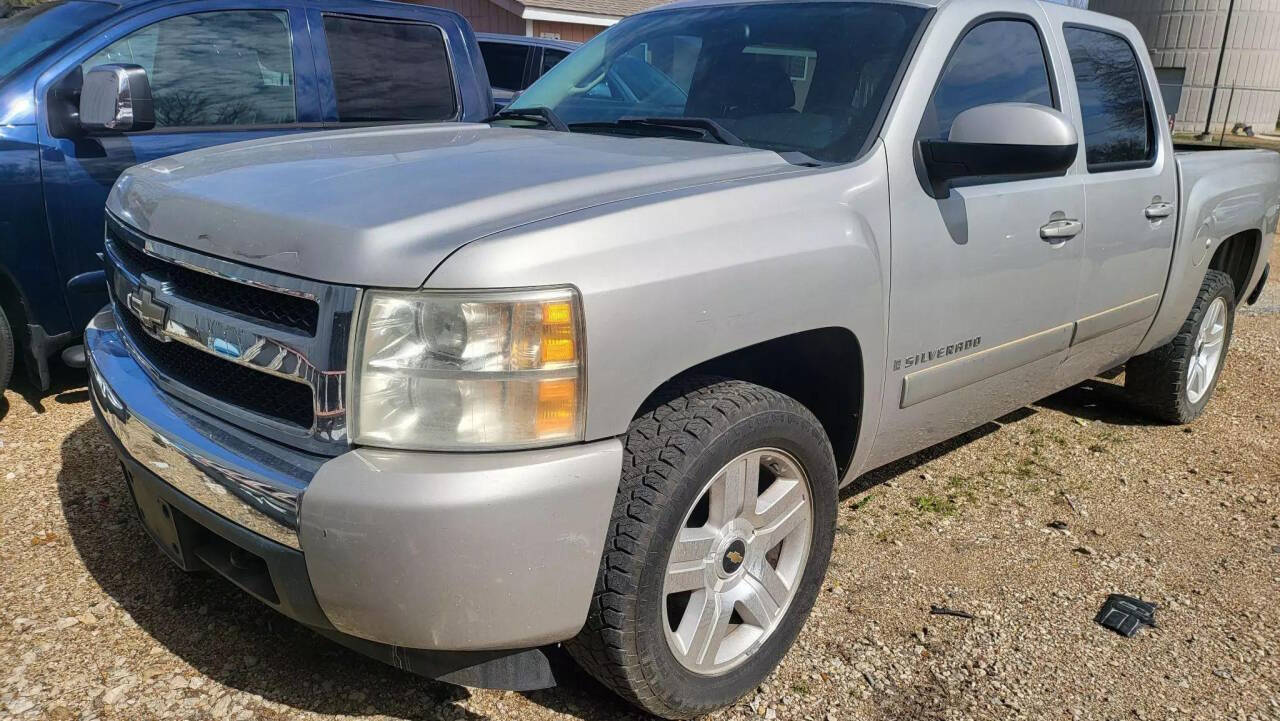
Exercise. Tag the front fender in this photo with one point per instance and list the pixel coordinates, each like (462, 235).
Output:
(672, 280)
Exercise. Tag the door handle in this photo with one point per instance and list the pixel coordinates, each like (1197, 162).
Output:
(1156, 211)
(1060, 230)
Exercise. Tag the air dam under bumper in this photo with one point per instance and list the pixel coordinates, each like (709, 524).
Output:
(432, 551)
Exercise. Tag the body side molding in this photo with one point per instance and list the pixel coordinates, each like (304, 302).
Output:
(1091, 327)
(932, 382)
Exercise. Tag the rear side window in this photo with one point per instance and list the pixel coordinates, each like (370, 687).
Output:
(505, 63)
(1113, 100)
(999, 61)
(216, 68)
(550, 59)
(389, 70)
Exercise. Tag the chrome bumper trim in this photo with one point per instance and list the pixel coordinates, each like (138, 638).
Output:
(241, 477)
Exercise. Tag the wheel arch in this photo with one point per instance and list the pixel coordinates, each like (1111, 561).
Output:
(1237, 256)
(14, 304)
(822, 369)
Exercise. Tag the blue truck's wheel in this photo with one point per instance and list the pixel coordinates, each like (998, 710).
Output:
(1175, 381)
(6, 351)
(717, 547)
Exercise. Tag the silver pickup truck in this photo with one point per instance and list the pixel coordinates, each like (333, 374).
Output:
(592, 373)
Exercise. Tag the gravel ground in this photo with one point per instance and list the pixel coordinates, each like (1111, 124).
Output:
(95, 623)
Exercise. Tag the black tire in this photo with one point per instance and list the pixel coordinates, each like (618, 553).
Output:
(1156, 381)
(7, 350)
(671, 451)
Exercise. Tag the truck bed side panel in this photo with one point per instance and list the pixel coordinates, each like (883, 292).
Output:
(1220, 194)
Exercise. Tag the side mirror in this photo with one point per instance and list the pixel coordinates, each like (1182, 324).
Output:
(116, 98)
(1000, 142)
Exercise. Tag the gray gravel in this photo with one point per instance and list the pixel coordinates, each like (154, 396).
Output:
(96, 624)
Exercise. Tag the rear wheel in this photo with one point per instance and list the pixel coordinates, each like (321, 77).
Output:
(717, 547)
(1175, 381)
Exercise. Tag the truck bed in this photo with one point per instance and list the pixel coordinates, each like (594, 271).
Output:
(1221, 192)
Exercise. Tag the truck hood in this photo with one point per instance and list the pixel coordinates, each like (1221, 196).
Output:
(384, 206)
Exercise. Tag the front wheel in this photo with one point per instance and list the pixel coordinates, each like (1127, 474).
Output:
(1175, 381)
(717, 547)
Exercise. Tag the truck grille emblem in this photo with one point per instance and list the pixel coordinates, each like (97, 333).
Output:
(151, 312)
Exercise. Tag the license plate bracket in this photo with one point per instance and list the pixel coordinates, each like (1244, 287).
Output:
(160, 521)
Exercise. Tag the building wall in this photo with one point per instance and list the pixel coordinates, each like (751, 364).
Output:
(1188, 34)
(567, 31)
(484, 16)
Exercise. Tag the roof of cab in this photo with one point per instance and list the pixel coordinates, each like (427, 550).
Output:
(526, 40)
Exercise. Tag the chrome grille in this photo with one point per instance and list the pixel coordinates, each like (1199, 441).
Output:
(263, 350)
(287, 311)
(238, 385)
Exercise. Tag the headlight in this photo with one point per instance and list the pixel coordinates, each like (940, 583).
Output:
(451, 370)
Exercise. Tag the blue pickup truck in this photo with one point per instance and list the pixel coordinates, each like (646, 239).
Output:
(215, 71)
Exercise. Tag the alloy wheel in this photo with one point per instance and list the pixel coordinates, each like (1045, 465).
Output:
(737, 561)
(1203, 367)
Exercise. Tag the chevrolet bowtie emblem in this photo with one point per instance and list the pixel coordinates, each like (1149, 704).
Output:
(734, 556)
(152, 313)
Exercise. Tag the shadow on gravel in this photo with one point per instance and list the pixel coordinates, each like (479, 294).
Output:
(581, 696)
(1096, 399)
(903, 466)
(208, 623)
(63, 385)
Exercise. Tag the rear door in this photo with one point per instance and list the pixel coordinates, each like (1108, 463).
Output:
(219, 71)
(981, 306)
(388, 63)
(1131, 188)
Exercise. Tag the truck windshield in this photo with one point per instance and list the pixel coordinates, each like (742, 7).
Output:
(27, 34)
(790, 77)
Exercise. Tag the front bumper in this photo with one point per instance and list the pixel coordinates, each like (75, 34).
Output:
(427, 551)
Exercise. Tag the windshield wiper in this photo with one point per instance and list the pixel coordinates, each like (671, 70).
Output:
(710, 128)
(545, 114)
(704, 127)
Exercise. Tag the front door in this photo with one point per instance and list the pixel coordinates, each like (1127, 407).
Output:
(221, 75)
(981, 304)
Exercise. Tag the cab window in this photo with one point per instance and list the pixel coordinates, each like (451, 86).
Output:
(999, 61)
(551, 58)
(388, 70)
(214, 68)
(505, 63)
(1118, 132)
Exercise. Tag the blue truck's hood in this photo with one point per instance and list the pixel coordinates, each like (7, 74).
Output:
(383, 207)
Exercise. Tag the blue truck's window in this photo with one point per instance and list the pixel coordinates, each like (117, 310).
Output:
(27, 34)
(1113, 104)
(550, 59)
(999, 61)
(214, 68)
(807, 77)
(505, 63)
(389, 71)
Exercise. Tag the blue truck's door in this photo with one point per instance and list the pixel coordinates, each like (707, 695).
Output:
(220, 72)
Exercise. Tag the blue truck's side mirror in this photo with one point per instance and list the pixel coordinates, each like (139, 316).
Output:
(116, 98)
